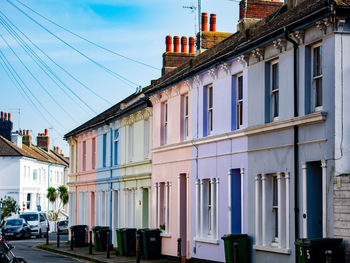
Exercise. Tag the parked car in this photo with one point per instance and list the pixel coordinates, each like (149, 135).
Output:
(38, 222)
(63, 225)
(17, 228)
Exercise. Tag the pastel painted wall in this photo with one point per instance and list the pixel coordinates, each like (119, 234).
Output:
(171, 168)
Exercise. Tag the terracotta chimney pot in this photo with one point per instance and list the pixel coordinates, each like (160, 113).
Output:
(176, 44)
(184, 45)
(27, 132)
(9, 116)
(46, 132)
(168, 43)
(213, 22)
(5, 116)
(191, 51)
(204, 21)
(2, 115)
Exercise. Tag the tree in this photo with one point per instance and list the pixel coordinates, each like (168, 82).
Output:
(52, 194)
(9, 206)
(63, 194)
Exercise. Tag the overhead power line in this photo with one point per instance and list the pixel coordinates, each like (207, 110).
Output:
(111, 72)
(87, 40)
(47, 69)
(53, 61)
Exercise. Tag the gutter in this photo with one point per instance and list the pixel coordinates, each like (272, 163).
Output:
(296, 132)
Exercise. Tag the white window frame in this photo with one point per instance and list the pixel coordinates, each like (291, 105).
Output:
(131, 142)
(116, 136)
(316, 77)
(186, 116)
(35, 172)
(239, 101)
(163, 206)
(165, 120)
(93, 149)
(210, 105)
(274, 91)
(272, 211)
(84, 155)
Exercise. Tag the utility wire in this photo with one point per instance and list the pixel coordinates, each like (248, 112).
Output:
(116, 75)
(16, 37)
(3, 57)
(87, 40)
(22, 91)
(47, 56)
(36, 79)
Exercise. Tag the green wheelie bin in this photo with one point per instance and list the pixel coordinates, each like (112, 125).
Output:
(314, 250)
(236, 248)
(120, 241)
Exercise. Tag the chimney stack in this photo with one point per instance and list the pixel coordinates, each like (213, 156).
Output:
(251, 11)
(27, 139)
(213, 22)
(43, 140)
(6, 126)
(174, 59)
(208, 39)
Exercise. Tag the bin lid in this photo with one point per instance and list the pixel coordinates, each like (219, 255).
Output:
(95, 228)
(307, 242)
(79, 227)
(235, 236)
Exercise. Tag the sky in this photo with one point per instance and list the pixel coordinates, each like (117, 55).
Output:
(60, 94)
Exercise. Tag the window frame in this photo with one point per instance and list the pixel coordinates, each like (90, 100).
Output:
(116, 136)
(316, 78)
(84, 156)
(239, 101)
(185, 117)
(131, 142)
(104, 150)
(165, 122)
(274, 92)
(93, 149)
(210, 107)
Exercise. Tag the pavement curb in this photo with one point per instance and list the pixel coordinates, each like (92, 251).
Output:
(71, 255)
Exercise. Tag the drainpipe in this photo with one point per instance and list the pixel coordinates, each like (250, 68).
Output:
(296, 132)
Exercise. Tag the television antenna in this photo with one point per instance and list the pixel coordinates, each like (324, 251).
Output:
(193, 9)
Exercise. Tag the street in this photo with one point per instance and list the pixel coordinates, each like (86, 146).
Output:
(25, 248)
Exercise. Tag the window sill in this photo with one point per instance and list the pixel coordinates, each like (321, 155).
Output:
(285, 251)
(165, 234)
(207, 240)
(319, 108)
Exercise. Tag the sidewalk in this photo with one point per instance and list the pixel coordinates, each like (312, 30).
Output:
(99, 257)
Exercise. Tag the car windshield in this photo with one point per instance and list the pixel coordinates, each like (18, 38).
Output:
(14, 222)
(63, 223)
(29, 217)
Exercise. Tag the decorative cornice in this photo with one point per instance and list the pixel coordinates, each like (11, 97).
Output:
(176, 90)
(188, 85)
(226, 67)
(298, 36)
(244, 60)
(213, 73)
(197, 82)
(155, 98)
(167, 94)
(280, 44)
(323, 25)
(259, 54)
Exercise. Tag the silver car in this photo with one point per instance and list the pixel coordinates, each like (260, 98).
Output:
(37, 221)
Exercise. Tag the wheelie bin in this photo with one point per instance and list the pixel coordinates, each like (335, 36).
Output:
(236, 248)
(315, 250)
(129, 241)
(120, 241)
(150, 243)
(102, 238)
(96, 238)
(80, 233)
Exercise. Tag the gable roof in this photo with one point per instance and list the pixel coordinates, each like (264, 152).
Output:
(8, 148)
(262, 32)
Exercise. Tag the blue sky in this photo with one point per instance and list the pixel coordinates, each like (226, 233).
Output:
(135, 29)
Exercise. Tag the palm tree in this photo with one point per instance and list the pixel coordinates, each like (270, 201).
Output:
(63, 194)
(51, 194)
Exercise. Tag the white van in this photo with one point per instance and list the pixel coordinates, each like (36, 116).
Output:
(37, 221)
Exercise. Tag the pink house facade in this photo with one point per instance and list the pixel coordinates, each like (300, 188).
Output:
(171, 166)
(82, 176)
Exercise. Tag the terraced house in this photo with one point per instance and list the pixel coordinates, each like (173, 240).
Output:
(249, 135)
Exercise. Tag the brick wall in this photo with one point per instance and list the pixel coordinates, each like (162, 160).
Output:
(341, 201)
(210, 39)
(43, 142)
(172, 60)
(258, 9)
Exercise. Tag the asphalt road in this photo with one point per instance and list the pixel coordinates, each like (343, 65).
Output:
(25, 248)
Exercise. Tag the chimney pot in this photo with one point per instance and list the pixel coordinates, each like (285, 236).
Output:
(176, 44)
(184, 45)
(57, 149)
(5, 116)
(9, 116)
(46, 132)
(204, 21)
(2, 115)
(168, 43)
(213, 22)
(27, 132)
(191, 45)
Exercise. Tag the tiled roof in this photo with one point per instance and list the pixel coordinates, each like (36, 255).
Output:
(240, 42)
(9, 149)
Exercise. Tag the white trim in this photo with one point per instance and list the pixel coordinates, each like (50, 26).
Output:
(258, 237)
(287, 178)
(207, 240)
(229, 201)
(164, 234)
(197, 208)
(264, 210)
(242, 201)
(178, 204)
(201, 207)
(286, 251)
(158, 205)
(187, 216)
